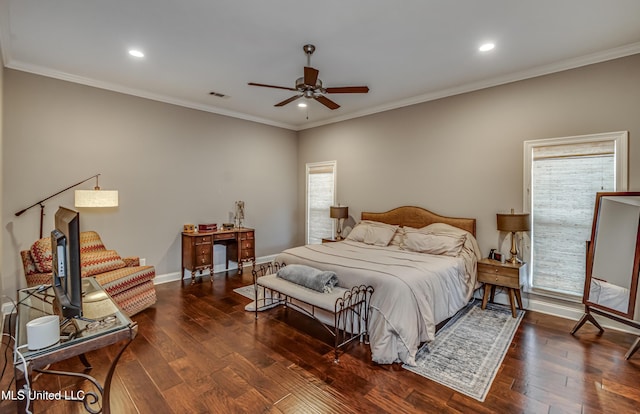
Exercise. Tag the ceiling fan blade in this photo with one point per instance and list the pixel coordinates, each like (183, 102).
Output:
(310, 76)
(326, 102)
(348, 89)
(286, 101)
(271, 86)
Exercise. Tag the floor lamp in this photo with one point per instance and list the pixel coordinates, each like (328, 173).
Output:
(83, 198)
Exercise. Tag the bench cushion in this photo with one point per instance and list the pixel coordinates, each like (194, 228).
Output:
(326, 301)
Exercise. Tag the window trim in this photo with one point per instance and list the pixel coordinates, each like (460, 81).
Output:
(309, 166)
(621, 157)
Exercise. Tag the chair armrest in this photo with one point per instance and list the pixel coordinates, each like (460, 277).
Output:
(132, 261)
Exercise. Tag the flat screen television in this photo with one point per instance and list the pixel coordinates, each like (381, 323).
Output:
(65, 249)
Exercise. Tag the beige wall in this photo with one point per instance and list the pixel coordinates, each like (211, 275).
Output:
(171, 166)
(463, 155)
(460, 156)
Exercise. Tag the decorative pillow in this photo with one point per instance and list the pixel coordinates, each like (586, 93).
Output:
(373, 232)
(398, 238)
(41, 253)
(90, 241)
(422, 241)
(94, 263)
(358, 232)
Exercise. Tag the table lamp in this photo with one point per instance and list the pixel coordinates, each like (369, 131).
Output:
(339, 213)
(513, 223)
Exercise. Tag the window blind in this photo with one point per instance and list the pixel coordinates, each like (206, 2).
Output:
(564, 182)
(320, 196)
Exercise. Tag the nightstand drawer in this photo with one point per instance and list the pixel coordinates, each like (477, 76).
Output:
(498, 270)
(501, 274)
(500, 280)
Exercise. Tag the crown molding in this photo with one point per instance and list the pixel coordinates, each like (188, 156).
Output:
(567, 64)
(619, 52)
(39, 70)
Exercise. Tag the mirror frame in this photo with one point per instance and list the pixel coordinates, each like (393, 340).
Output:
(591, 252)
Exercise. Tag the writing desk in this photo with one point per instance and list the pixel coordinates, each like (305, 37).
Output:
(197, 249)
(103, 324)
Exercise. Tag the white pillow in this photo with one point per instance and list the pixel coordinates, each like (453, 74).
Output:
(424, 241)
(373, 232)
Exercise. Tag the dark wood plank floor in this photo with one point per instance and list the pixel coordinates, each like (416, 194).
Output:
(198, 351)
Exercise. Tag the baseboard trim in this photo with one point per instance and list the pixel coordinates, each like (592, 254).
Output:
(175, 276)
(561, 308)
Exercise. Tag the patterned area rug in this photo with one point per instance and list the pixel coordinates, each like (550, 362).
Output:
(467, 353)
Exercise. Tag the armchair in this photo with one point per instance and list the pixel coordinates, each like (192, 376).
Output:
(129, 284)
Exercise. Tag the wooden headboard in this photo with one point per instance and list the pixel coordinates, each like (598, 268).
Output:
(418, 217)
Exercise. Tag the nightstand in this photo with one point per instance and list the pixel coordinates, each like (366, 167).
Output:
(509, 276)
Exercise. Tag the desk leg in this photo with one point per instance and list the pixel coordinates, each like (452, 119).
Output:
(85, 362)
(90, 398)
(106, 403)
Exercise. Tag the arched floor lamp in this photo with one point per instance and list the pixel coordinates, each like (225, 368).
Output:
(83, 198)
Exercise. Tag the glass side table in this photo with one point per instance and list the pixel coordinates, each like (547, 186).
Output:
(102, 324)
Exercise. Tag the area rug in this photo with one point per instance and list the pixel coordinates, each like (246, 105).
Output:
(246, 291)
(468, 351)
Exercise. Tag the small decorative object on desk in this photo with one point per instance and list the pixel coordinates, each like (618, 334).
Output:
(206, 228)
(188, 228)
(227, 226)
(239, 213)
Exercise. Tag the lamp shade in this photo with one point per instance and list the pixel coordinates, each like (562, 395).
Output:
(96, 198)
(339, 212)
(513, 222)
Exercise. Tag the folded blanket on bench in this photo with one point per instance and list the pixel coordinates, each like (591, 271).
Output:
(310, 277)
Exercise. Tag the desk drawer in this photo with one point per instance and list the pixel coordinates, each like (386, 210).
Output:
(224, 236)
(247, 235)
(203, 259)
(200, 240)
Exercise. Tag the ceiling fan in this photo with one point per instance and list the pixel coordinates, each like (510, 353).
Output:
(310, 87)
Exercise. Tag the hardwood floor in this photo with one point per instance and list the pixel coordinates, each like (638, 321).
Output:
(198, 351)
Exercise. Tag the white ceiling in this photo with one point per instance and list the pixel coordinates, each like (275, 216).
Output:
(406, 51)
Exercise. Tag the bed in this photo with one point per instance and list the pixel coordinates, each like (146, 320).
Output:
(422, 274)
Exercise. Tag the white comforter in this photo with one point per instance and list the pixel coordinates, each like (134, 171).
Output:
(412, 291)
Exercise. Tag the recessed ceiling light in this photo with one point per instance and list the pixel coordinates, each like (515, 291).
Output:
(136, 53)
(302, 105)
(486, 47)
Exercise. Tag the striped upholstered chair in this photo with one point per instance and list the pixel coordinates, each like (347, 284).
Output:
(129, 284)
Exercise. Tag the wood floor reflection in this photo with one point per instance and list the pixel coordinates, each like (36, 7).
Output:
(198, 351)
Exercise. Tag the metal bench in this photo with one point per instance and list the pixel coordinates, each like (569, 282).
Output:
(349, 308)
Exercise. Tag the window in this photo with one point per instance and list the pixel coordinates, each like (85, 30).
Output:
(562, 177)
(321, 190)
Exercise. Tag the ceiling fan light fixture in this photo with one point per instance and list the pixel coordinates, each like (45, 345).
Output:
(310, 86)
(302, 105)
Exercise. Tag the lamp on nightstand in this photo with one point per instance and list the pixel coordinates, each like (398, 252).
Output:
(340, 213)
(513, 223)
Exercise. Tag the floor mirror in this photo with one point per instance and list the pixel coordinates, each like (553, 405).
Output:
(613, 262)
